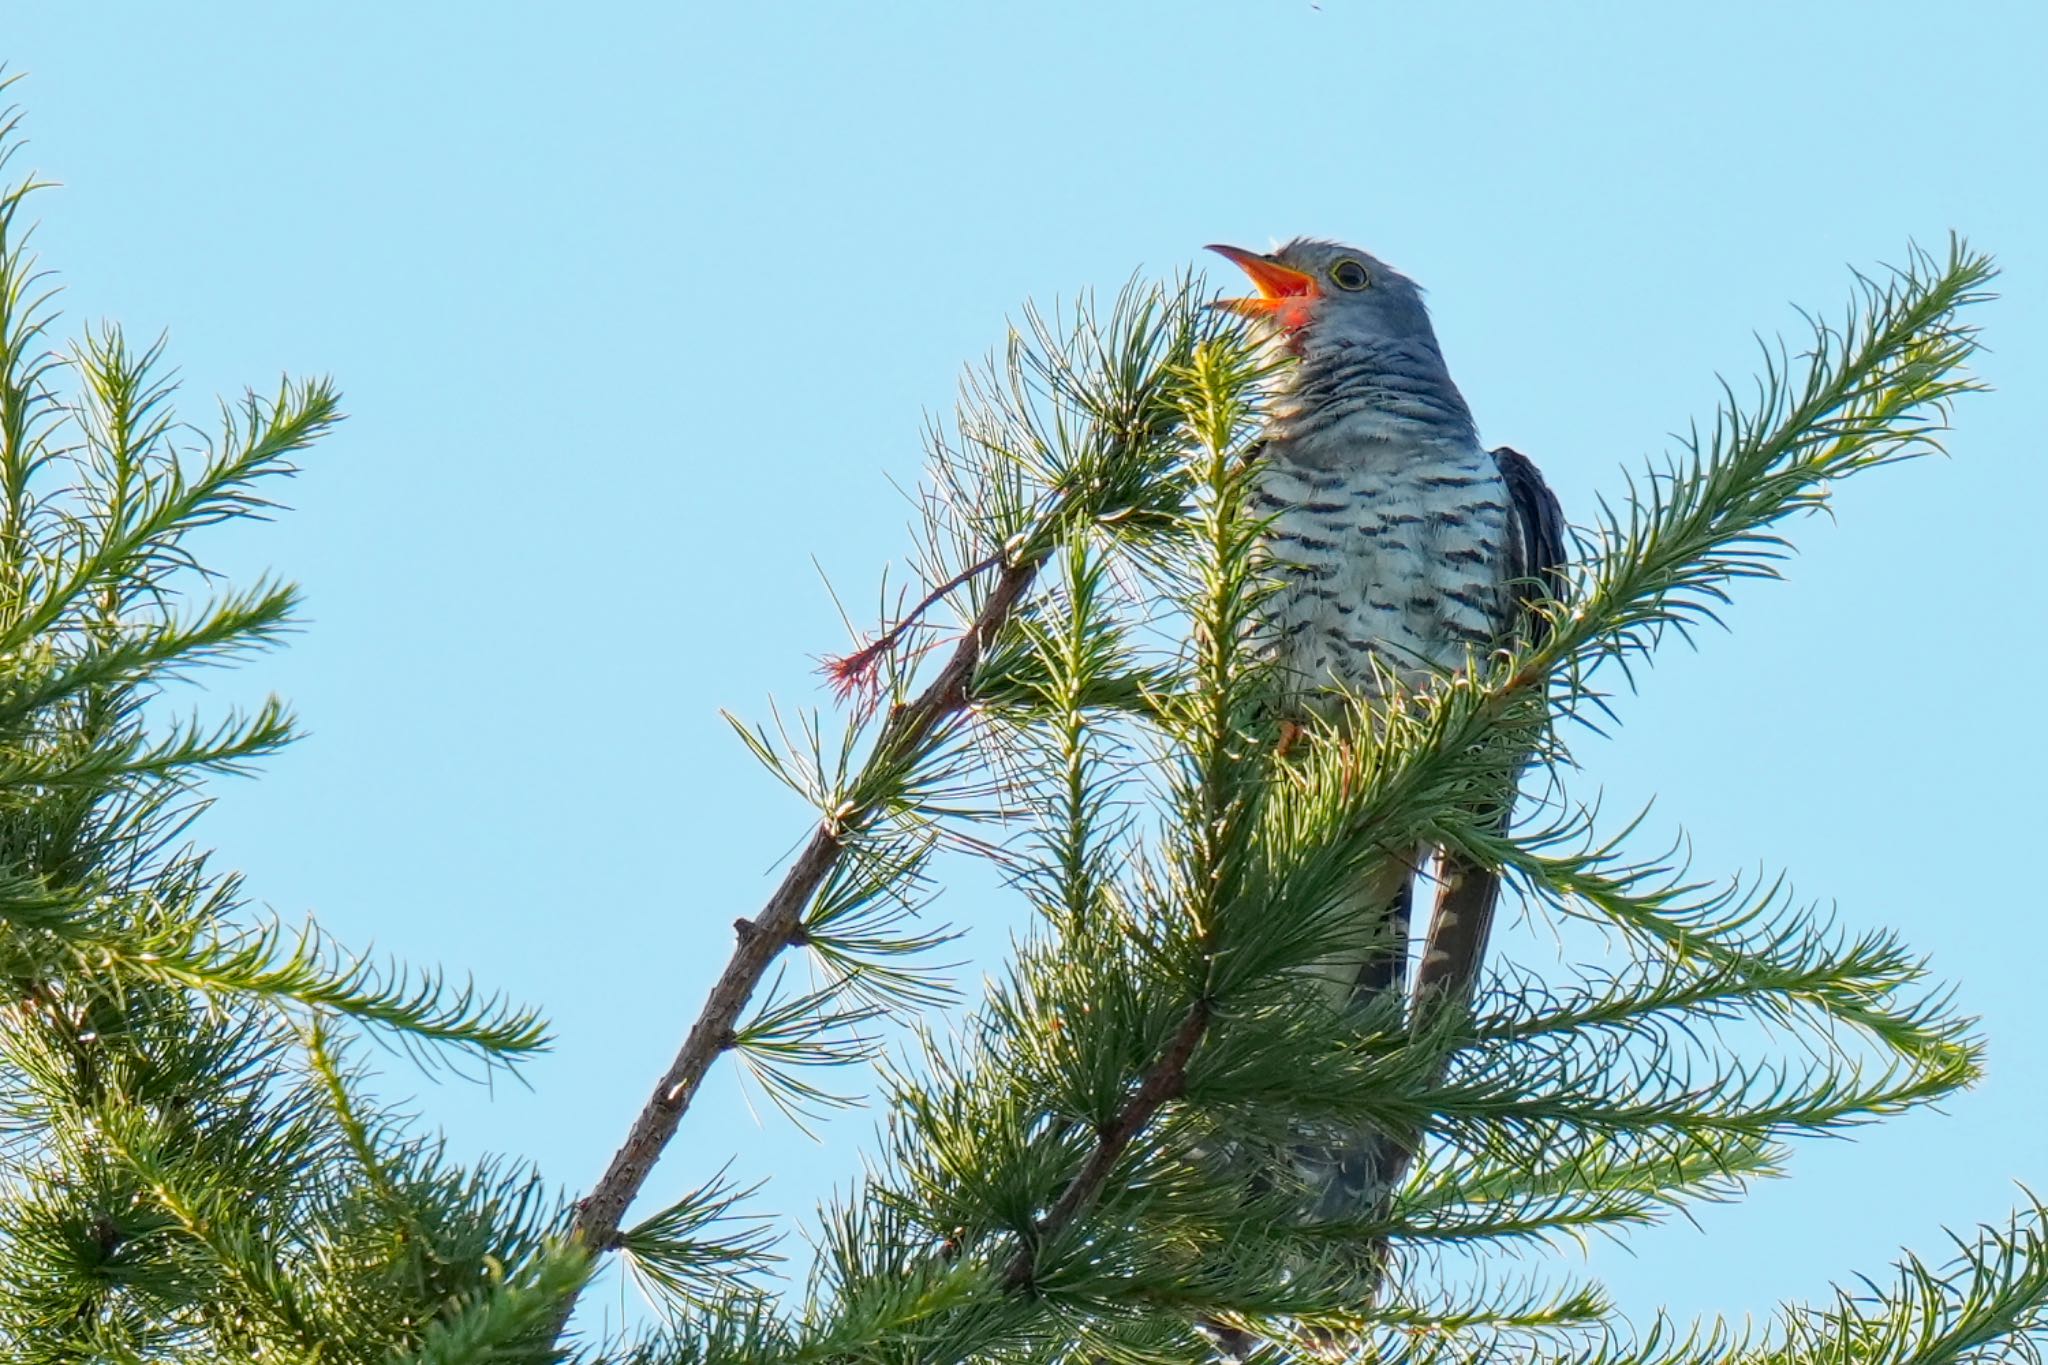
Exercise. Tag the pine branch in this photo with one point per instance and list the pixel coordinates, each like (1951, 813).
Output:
(175, 1183)
(509, 1321)
(763, 938)
(1106, 458)
(1166, 1080)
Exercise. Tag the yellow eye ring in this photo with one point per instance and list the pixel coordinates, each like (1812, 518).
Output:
(1349, 274)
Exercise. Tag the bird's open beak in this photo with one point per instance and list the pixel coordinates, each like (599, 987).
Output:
(1283, 290)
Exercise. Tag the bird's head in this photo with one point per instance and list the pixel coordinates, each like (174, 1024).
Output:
(1312, 293)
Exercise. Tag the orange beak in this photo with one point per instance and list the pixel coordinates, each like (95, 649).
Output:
(1284, 292)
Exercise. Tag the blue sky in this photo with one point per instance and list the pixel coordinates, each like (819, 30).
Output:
(637, 312)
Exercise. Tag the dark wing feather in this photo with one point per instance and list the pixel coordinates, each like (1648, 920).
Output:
(1535, 548)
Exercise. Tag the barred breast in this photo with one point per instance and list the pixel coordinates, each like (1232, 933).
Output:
(1386, 549)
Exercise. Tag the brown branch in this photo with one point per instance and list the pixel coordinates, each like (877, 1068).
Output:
(1165, 1080)
(780, 924)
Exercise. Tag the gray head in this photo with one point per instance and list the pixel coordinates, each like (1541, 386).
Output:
(1325, 295)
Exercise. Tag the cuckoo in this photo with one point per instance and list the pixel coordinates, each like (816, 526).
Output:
(1403, 549)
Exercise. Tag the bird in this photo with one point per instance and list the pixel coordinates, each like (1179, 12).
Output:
(1401, 548)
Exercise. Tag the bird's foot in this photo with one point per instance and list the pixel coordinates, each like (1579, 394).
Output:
(1290, 735)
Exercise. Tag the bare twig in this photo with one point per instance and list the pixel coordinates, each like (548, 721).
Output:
(779, 925)
(852, 672)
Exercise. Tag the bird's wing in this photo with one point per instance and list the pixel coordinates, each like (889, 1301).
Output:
(1534, 570)
(1535, 548)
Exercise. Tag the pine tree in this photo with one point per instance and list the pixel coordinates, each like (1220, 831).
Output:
(1074, 1168)
(193, 1169)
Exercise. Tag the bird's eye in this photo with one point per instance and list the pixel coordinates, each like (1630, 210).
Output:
(1349, 274)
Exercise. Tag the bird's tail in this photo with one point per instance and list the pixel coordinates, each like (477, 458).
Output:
(1352, 1172)
(1356, 1175)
